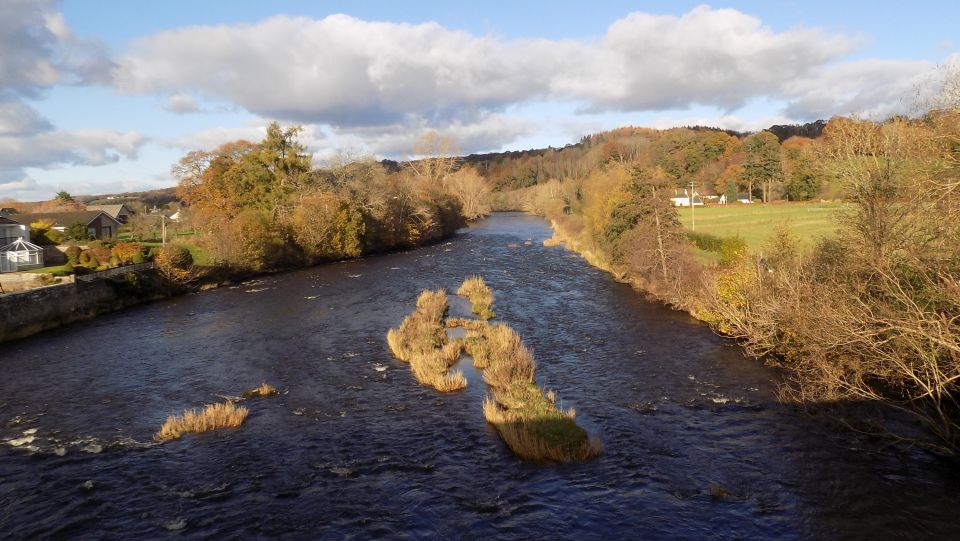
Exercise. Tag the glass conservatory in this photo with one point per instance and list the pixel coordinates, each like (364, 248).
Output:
(20, 255)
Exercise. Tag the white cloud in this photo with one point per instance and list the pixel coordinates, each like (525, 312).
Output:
(181, 104)
(55, 148)
(870, 88)
(718, 57)
(348, 72)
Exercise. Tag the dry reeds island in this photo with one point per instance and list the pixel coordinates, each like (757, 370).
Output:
(527, 418)
(479, 295)
(205, 419)
(421, 340)
(265, 389)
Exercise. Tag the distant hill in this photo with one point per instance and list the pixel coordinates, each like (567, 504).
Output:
(149, 198)
(786, 131)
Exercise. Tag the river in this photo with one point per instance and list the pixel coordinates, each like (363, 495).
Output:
(355, 448)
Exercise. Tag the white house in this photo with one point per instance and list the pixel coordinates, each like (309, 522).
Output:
(16, 250)
(744, 198)
(681, 198)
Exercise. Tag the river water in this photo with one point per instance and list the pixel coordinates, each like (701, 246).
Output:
(355, 448)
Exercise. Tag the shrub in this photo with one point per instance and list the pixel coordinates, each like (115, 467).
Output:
(73, 254)
(174, 261)
(128, 252)
(88, 260)
(99, 251)
(706, 241)
(732, 249)
(77, 231)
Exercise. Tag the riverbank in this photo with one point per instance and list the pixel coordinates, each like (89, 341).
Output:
(26, 313)
(30, 312)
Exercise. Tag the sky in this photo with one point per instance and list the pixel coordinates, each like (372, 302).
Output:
(104, 96)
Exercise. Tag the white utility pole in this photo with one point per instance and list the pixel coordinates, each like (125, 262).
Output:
(693, 218)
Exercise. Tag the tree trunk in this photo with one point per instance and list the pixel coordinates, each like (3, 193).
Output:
(656, 218)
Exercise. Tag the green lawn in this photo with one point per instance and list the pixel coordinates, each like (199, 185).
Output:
(755, 223)
(60, 270)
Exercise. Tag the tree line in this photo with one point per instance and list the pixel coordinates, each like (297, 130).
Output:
(263, 205)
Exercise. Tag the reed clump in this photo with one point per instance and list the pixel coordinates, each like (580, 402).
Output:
(421, 340)
(205, 419)
(479, 295)
(527, 418)
(265, 389)
(433, 368)
(423, 330)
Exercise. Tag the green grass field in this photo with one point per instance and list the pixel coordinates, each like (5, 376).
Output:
(755, 223)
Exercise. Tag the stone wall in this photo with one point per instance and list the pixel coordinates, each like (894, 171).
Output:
(30, 312)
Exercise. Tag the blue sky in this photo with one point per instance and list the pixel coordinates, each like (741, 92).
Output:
(99, 97)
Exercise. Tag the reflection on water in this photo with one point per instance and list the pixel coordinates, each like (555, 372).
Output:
(354, 447)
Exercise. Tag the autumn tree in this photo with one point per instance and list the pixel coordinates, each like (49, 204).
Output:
(212, 183)
(435, 157)
(472, 192)
(763, 165)
(803, 173)
(730, 181)
(329, 227)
